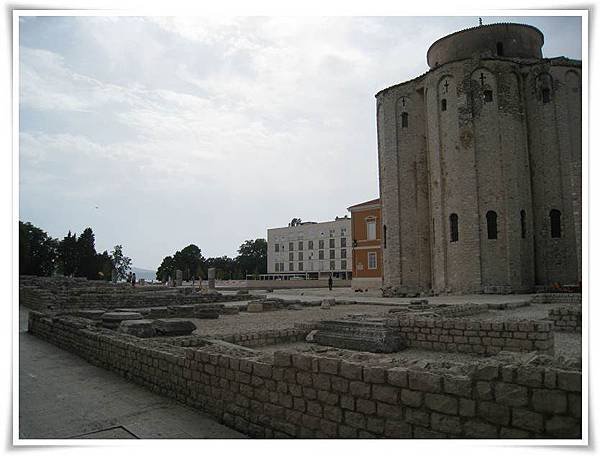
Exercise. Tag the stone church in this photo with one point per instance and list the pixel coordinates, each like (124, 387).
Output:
(480, 167)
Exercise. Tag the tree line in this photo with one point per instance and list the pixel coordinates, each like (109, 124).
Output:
(42, 255)
(251, 259)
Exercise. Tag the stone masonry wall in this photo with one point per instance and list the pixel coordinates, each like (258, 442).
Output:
(566, 319)
(306, 395)
(473, 336)
(556, 298)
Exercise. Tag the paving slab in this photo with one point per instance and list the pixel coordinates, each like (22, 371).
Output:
(62, 396)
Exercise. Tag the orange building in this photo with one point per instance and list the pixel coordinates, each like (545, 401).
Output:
(367, 259)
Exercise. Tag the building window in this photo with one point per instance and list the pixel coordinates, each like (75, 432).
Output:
(291, 246)
(300, 266)
(372, 260)
(331, 243)
(546, 95)
(488, 96)
(343, 242)
(321, 244)
(321, 255)
(277, 247)
(343, 253)
(276, 267)
(384, 236)
(280, 267)
(331, 233)
(444, 104)
(332, 254)
(332, 265)
(300, 256)
(301, 245)
(343, 230)
(310, 245)
(404, 120)
(371, 230)
(555, 230)
(523, 224)
(499, 49)
(343, 265)
(291, 256)
(453, 228)
(291, 266)
(492, 225)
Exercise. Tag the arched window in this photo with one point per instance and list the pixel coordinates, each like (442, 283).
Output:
(492, 226)
(499, 48)
(555, 230)
(444, 104)
(453, 228)
(404, 120)
(523, 224)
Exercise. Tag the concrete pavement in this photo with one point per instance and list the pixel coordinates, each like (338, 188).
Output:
(62, 396)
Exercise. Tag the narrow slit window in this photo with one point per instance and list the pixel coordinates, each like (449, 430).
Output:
(499, 49)
(444, 104)
(523, 224)
(555, 229)
(488, 96)
(384, 236)
(453, 228)
(492, 225)
(404, 120)
(546, 95)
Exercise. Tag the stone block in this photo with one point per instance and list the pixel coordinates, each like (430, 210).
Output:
(528, 420)
(569, 381)
(138, 328)
(329, 366)
(417, 416)
(466, 407)
(351, 371)
(112, 320)
(411, 398)
(366, 406)
(282, 359)
(549, 401)
(360, 389)
(398, 376)
(384, 393)
(459, 385)
(563, 427)
(441, 403)
(495, 413)
(480, 430)
(484, 391)
(255, 307)
(425, 381)
(397, 429)
(354, 419)
(173, 327)
(374, 374)
(511, 394)
(445, 423)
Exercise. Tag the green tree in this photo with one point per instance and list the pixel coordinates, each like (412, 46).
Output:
(104, 266)
(67, 255)
(86, 254)
(38, 252)
(225, 267)
(166, 269)
(120, 262)
(252, 258)
(189, 260)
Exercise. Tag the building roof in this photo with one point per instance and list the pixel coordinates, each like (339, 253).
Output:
(374, 202)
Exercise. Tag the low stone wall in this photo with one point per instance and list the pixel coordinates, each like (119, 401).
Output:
(473, 336)
(281, 284)
(566, 319)
(556, 298)
(310, 395)
(64, 294)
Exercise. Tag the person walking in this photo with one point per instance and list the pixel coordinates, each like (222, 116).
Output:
(133, 279)
(330, 282)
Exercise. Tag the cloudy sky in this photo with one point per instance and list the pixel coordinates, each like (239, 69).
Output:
(160, 132)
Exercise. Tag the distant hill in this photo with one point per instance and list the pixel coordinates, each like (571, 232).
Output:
(146, 274)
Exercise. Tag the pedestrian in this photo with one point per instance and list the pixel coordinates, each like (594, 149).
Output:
(330, 282)
(133, 279)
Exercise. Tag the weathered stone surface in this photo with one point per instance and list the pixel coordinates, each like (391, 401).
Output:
(138, 328)
(255, 307)
(368, 336)
(113, 319)
(173, 327)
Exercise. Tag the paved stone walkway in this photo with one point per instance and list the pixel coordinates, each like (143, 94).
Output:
(62, 396)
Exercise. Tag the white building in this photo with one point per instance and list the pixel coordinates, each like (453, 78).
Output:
(311, 250)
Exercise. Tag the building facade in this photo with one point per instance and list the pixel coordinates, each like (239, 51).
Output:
(311, 250)
(480, 167)
(367, 260)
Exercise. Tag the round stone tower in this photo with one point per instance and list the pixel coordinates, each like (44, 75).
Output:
(480, 162)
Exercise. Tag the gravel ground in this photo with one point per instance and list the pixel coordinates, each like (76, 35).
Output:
(566, 344)
(280, 319)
